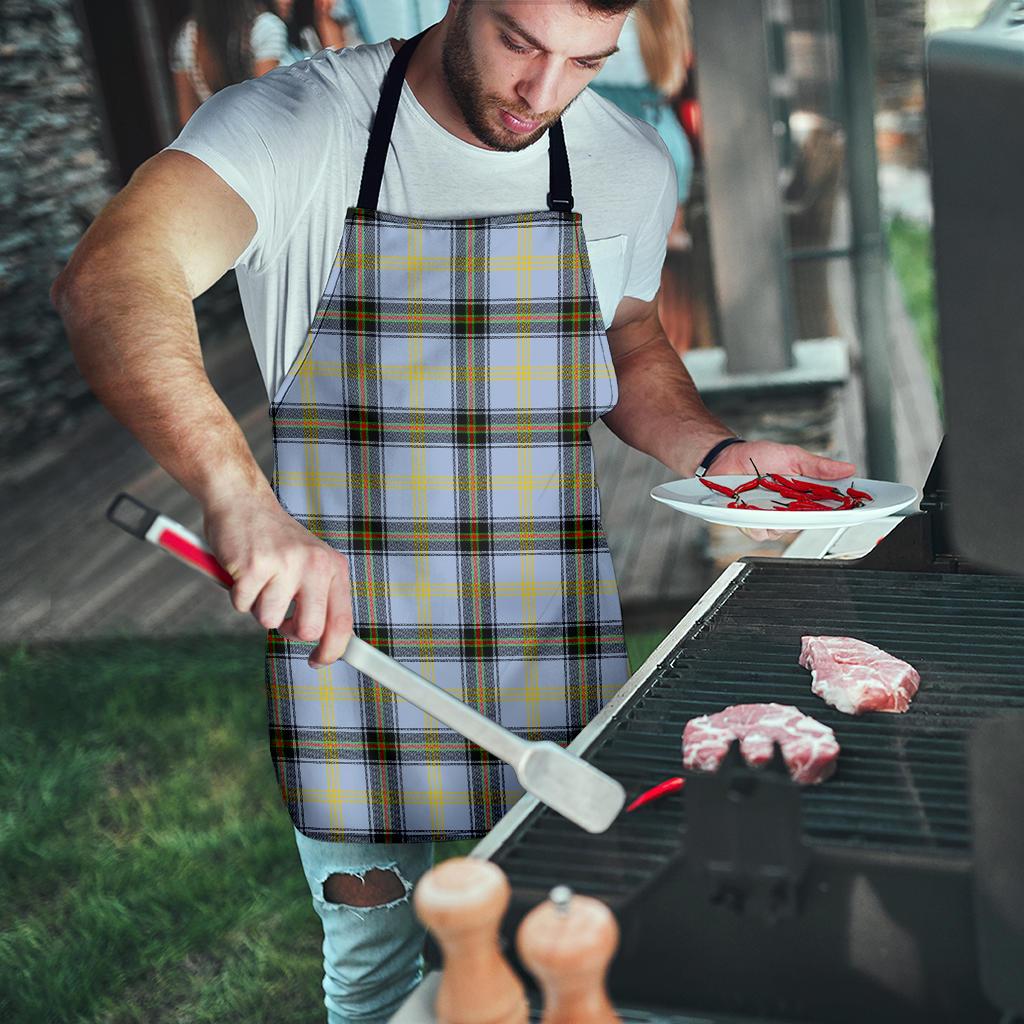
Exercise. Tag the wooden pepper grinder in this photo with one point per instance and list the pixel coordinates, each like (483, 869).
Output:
(462, 902)
(567, 943)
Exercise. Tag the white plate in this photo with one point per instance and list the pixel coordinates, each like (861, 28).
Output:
(693, 498)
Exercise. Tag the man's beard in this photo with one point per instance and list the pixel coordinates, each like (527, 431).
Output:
(466, 86)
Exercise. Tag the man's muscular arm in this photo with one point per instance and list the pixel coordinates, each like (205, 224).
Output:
(126, 301)
(660, 412)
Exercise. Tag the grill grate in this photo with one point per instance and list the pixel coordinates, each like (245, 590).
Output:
(901, 785)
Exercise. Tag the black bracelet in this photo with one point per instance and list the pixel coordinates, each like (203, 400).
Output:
(705, 463)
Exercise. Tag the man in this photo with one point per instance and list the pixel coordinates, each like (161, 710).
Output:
(494, 290)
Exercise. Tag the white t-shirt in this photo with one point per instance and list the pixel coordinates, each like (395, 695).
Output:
(292, 144)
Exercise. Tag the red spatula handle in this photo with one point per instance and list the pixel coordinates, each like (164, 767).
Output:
(147, 524)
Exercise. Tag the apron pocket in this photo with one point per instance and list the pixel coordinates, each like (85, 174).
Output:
(607, 265)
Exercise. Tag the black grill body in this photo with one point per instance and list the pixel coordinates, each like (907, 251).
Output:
(847, 901)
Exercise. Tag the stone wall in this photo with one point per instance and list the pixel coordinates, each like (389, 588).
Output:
(54, 178)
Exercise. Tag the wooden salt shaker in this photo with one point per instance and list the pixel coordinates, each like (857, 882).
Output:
(462, 902)
(567, 943)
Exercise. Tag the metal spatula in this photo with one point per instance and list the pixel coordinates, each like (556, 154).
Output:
(564, 782)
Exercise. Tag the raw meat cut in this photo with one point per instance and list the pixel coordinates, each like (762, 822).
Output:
(808, 747)
(855, 677)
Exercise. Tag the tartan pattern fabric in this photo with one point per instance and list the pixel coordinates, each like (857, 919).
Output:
(434, 430)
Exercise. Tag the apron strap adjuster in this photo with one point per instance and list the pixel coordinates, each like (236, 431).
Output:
(560, 205)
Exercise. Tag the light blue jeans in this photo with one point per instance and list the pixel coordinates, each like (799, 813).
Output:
(373, 956)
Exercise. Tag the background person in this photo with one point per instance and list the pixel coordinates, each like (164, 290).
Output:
(648, 73)
(373, 21)
(314, 25)
(221, 43)
(645, 78)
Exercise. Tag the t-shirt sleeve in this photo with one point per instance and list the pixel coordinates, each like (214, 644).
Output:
(652, 238)
(269, 38)
(180, 55)
(268, 139)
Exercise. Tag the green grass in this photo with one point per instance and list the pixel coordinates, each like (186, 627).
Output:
(910, 247)
(640, 646)
(149, 871)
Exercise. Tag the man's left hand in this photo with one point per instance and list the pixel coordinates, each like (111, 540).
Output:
(771, 457)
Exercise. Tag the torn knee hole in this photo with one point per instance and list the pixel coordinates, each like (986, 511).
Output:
(374, 889)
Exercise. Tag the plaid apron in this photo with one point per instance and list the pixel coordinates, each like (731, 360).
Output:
(434, 429)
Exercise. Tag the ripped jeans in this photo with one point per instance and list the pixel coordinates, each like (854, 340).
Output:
(373, 955)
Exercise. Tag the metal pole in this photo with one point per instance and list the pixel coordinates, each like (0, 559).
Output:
(154, 64)
(742, 174)
(868, 240)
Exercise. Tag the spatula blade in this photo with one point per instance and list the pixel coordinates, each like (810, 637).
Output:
(571, 786)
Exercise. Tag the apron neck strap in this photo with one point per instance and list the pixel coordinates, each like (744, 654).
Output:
(383, 122)
(560, 185)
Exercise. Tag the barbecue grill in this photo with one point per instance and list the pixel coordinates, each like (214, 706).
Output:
(895, 890)
(748, 896)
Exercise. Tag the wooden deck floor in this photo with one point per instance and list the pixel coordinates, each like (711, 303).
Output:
(68, 573)
(73, 574)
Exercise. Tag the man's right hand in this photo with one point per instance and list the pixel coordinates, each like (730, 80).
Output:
(274, 561)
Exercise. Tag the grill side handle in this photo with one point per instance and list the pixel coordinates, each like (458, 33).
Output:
(996, 764)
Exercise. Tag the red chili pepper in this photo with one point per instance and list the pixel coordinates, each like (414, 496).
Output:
(786, 492)
(750, 485)
(760, 477)
(717, 487)
(862, 495)
(812, 485)
(656, 792)
(806, 505)
(815, 490)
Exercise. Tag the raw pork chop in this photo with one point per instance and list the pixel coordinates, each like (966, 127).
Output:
(855, 677)
(808, 747)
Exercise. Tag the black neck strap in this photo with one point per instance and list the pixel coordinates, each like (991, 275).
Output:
(383, 122)
(560, 185)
